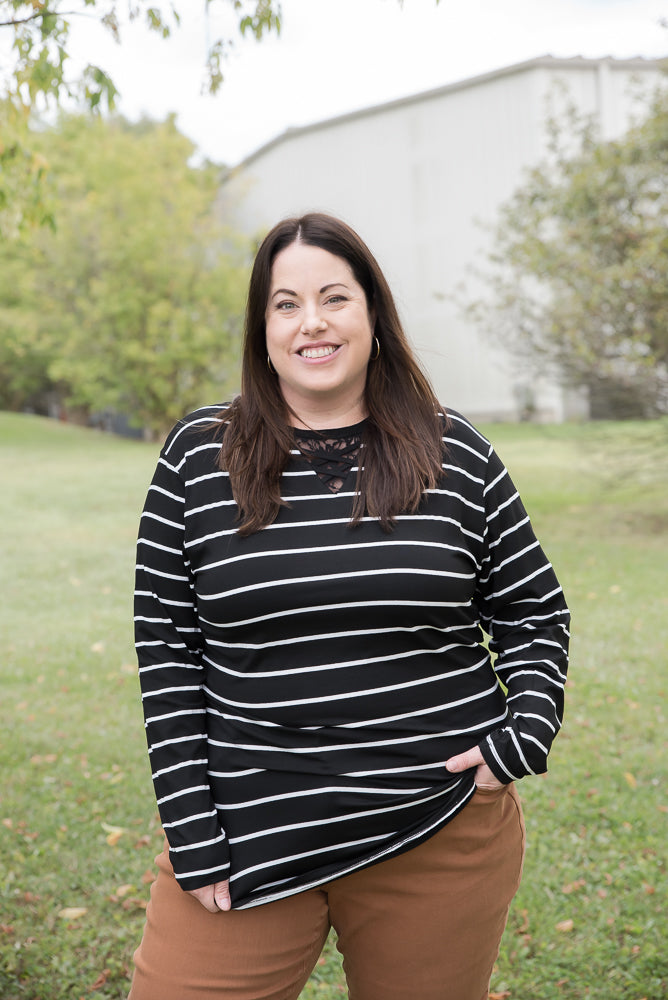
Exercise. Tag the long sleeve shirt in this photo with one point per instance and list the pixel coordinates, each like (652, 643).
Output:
(303, 686)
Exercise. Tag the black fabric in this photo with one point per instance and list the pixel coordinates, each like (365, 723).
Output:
(332, 453)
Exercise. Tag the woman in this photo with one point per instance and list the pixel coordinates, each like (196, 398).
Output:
(330, 743)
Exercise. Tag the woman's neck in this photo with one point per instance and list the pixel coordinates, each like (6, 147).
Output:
(324, 417)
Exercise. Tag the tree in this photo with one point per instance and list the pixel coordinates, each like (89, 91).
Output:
(579, 276)
(134, 303)
(40, 30)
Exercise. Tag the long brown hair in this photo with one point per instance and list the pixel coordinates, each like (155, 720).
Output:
(402, 437)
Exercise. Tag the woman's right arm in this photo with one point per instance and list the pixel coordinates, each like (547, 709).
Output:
(171, 676)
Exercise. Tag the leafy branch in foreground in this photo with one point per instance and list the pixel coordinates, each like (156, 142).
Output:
(41, 42)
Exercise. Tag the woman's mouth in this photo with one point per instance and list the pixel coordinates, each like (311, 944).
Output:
(317, 352)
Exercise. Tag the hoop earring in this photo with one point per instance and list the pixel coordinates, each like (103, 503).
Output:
(374, 357)
(270, 366)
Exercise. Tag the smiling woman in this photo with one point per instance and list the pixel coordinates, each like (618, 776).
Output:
(319, 336)
(332, 743)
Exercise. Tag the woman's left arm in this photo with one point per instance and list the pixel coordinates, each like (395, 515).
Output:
(523, 610)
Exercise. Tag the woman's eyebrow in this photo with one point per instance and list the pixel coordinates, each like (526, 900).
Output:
(325, 288)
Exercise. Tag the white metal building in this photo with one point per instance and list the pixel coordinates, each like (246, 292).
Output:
(418, 178)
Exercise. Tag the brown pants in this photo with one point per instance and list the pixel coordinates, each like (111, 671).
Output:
(425, 925)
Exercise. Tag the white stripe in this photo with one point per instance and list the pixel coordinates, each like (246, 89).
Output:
(343, 606)
(520, 752)
(204, 871)
(189, 424)
(520, 583)
(345, 818)
(174, 715)
(219, 473)
(182, 792)
(305, 854)
(393, 543)
(177, 767)
(344, 664)
(202, 843)
(156, 572)
(279, 526)
(156, 545)
(446, 707)
(293, 640)
(190, 819)
(330, 747)
(170, 663)
(176, 741)
(528, 736)
(209, 446)
(344, 695)
(154, 488)
(163, 520)
(309, 792)
(538, 718)
(328, 577)
(510, 559)
(503, 767)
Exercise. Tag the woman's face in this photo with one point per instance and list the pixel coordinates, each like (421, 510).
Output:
(319, 332)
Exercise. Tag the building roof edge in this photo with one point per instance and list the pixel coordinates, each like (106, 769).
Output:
(545, 61)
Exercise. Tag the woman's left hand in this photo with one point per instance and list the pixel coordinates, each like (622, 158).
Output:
(484, 776)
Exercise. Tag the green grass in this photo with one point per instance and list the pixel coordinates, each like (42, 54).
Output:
(72, 751)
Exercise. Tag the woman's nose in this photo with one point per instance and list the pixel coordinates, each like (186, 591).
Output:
(313, 322)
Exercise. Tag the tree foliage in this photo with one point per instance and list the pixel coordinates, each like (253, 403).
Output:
(133, 303)
(40, 30)
(579, 276)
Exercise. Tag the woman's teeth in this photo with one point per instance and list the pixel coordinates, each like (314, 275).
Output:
(316, 352)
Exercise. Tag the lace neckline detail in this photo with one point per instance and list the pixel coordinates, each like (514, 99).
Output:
(332, 452)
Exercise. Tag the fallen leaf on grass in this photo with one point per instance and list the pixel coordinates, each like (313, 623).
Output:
(148, 877)
(124, 889)
(499, 996)
(114, 833)
(101, 980)
(630, 779)
(134, 904)
(73, 912)
(573, 886)
(565, 926)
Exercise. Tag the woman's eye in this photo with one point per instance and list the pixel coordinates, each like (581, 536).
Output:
(286, 306)
(335, 299)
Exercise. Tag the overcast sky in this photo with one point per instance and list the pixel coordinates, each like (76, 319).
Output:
(335, 56)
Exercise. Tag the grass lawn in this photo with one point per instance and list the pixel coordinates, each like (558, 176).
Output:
(78, 824)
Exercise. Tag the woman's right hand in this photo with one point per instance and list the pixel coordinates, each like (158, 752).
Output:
(213, 898)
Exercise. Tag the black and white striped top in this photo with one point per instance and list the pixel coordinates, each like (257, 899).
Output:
(302, 687)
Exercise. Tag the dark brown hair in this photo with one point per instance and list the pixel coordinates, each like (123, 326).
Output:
(402, 436)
